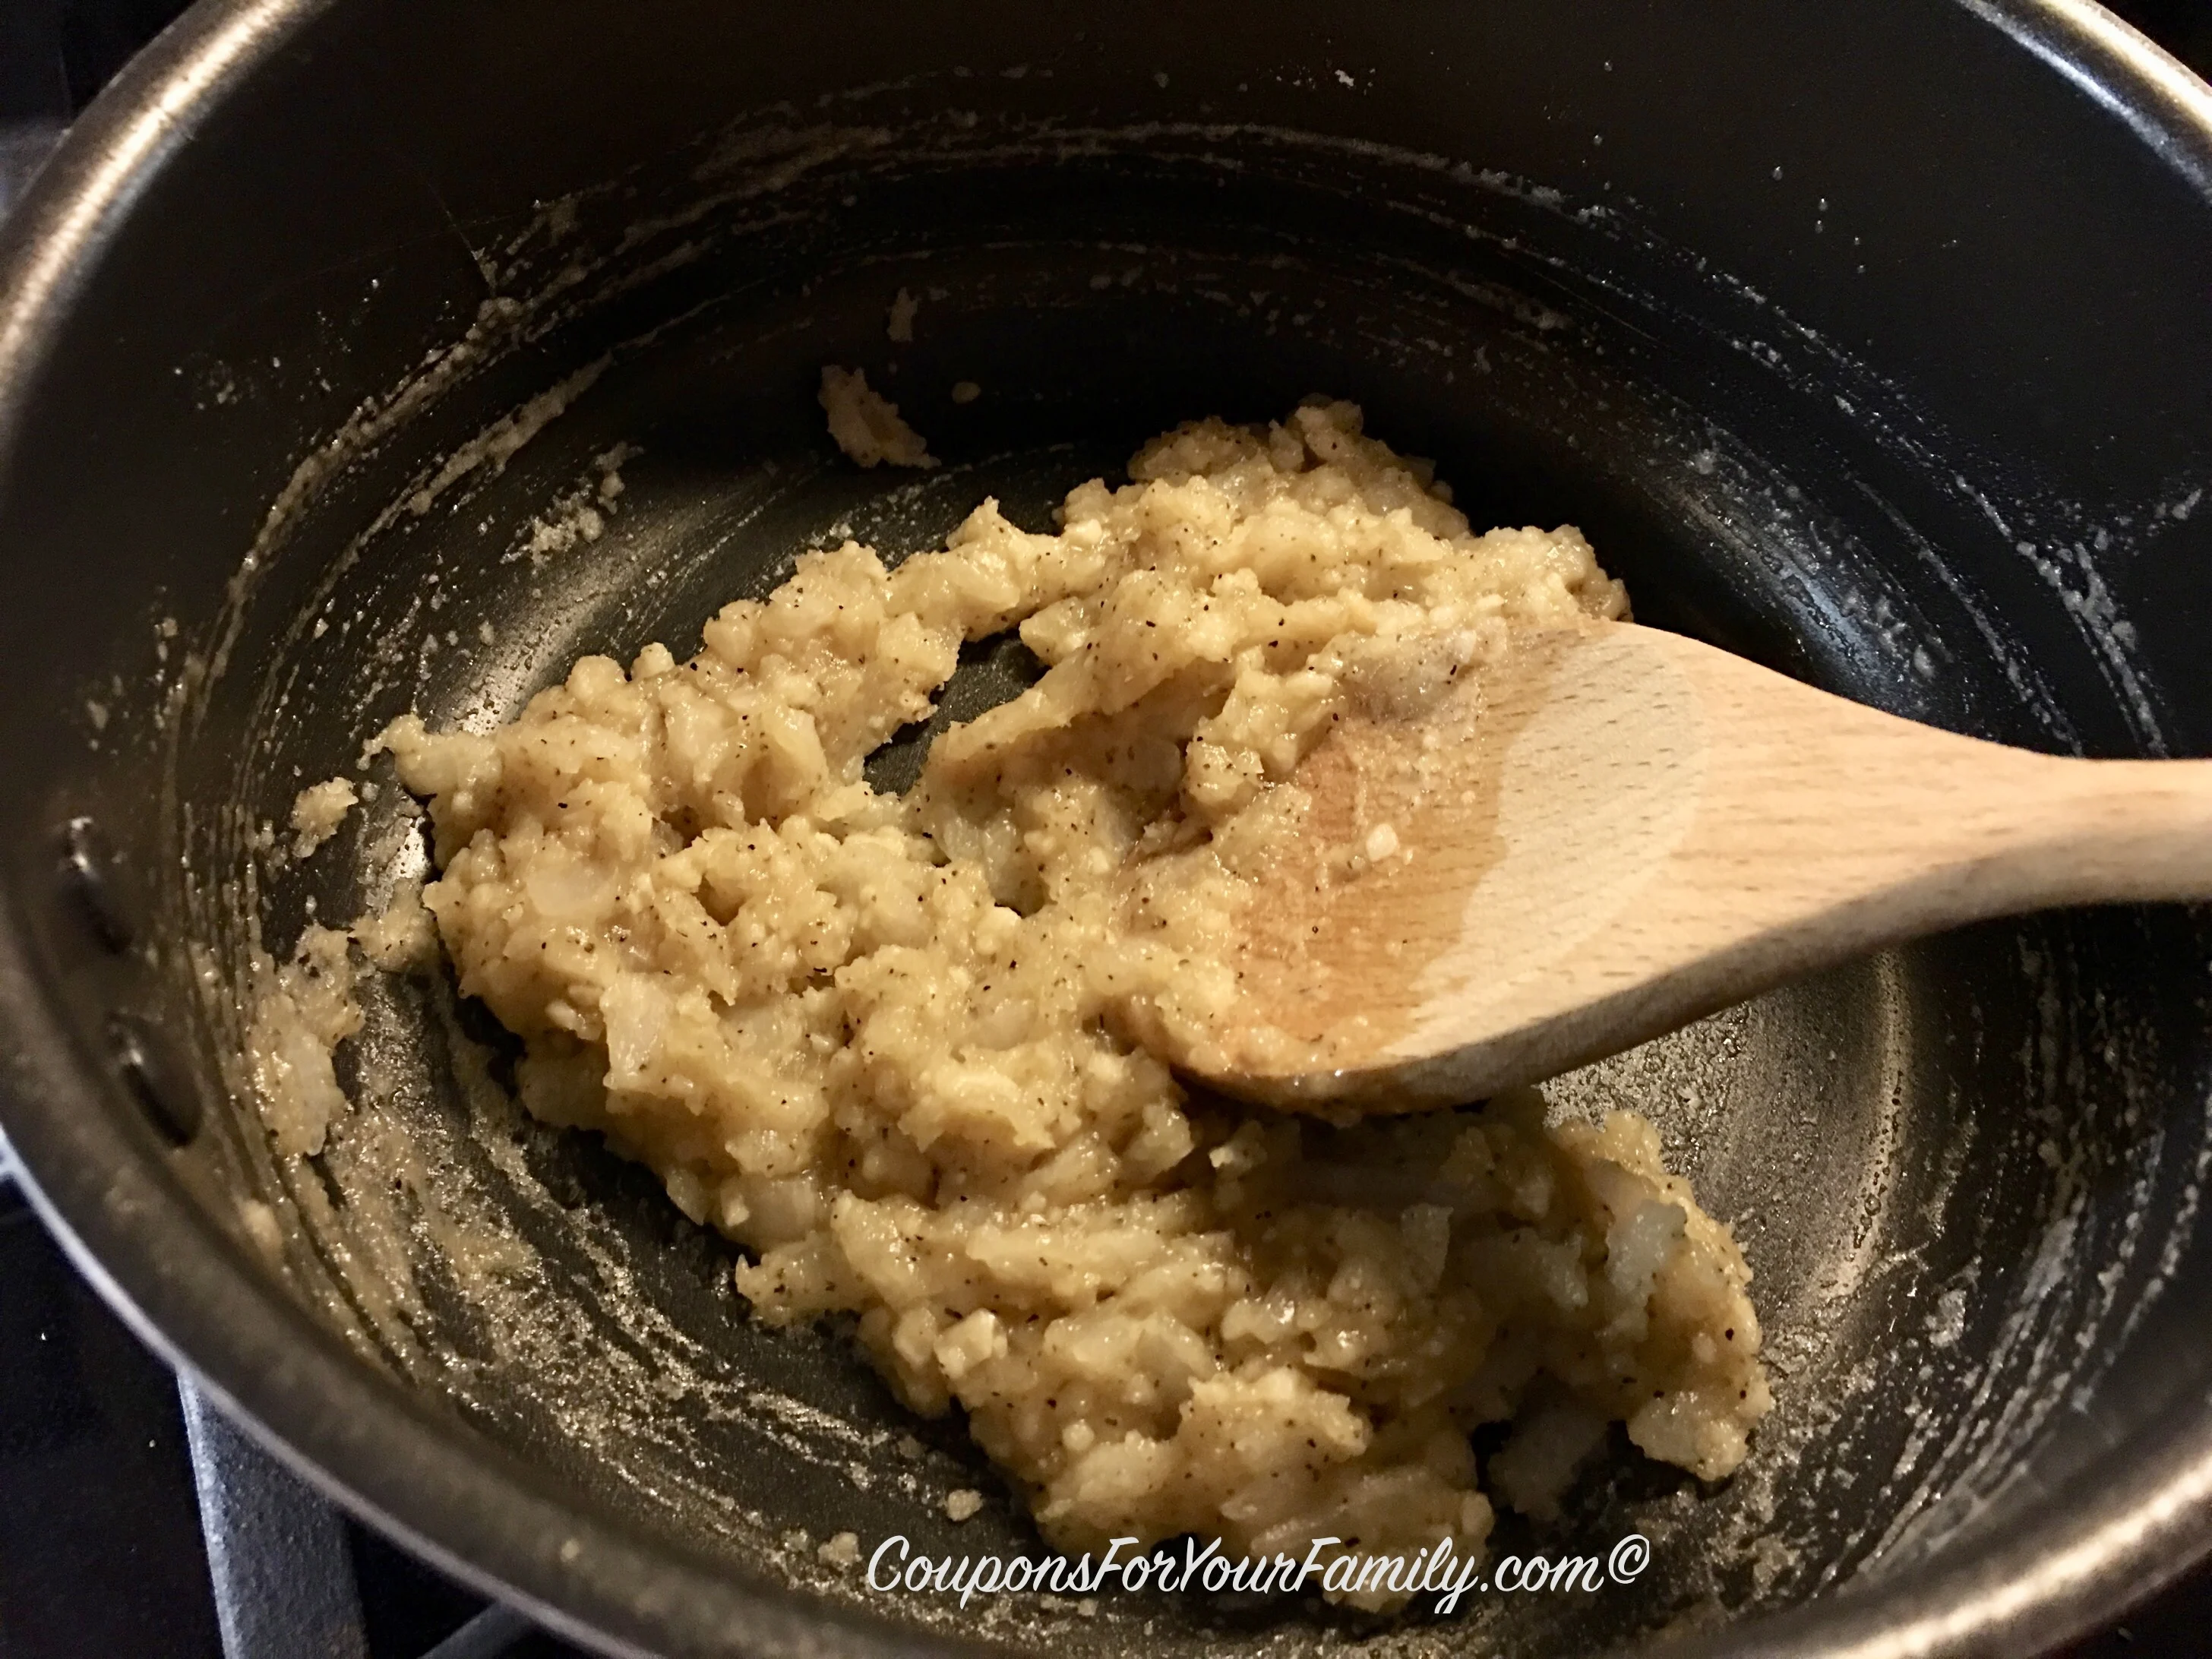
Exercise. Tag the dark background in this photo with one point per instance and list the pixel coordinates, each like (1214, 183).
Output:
(101, 1551)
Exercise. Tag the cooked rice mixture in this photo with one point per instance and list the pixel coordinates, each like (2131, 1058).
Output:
(904, 1048)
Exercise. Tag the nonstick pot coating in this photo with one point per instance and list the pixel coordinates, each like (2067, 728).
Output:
(1910, 405)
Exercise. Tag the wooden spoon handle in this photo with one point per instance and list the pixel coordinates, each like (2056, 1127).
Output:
(1811, 799)
(2107, 831)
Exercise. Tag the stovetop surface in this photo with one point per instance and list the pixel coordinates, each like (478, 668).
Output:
(102, 1548)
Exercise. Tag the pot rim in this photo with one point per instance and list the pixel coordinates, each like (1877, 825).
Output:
(487, 1518)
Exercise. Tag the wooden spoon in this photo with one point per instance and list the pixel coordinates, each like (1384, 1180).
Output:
(1615, 830)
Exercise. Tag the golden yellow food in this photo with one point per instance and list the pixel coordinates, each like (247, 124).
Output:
(902, 1048)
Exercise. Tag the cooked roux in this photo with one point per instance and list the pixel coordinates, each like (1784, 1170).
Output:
(903, 1049)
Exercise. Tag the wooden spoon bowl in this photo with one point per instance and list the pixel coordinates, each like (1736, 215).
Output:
(1613, 831)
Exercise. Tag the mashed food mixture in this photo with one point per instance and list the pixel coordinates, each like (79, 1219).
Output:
(904, 1048)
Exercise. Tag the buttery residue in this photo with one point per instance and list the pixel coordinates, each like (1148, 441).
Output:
(318, 812)
(899, 325)
(866, 425)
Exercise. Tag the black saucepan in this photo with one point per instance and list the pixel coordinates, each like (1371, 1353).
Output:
(1873, 341)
